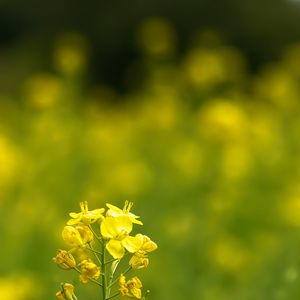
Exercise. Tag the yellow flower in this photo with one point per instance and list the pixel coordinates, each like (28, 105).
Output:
(77, 236)
(115, 211)
(140, 244)
(139, 261)
(85, 216)
(116, 229)
(64, 259)
(89, 270)
(130, 288)
(67, 292)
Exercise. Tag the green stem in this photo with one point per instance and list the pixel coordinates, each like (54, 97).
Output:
(116, 280)
(103, 272)
(111, 277)
(110, 261)
(115, 295)
(93, 250)
(127, 270)
(95, 253)
(95, 234)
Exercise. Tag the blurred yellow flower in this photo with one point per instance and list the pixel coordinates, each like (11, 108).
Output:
(157, 37)
(115, 211)
(85, 216)
(290, 208)
(71, 53)
(18, 287)
(43, 90)
(64, 259)
(223, 120)
(278, 85)
(9, 161)
(230, 255)
(89, 270)
(124, 176)
(130, 288)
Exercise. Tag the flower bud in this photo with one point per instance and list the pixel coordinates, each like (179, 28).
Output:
(72, 236)
(85, 232)
(130, 288)
(89, 270)
(64, 259)
(67, 292)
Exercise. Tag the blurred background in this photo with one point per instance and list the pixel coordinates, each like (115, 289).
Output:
(190, 109)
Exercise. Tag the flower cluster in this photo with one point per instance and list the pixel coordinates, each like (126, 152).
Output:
(93, 236)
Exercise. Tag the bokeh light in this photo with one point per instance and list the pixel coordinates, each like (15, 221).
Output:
(206, 148)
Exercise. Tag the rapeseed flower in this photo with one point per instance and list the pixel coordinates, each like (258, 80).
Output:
(130, 288)
(89, 270)
(64, 259)
(140, 243)
(86, 216)
(116, 229)
(115, 211)
(139, 261)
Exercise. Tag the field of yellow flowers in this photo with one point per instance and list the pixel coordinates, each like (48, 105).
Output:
(208, 152)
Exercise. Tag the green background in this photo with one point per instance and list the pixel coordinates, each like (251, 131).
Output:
(195, 120)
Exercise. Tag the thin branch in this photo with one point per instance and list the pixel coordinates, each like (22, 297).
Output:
(117, 279)
(95, 234)
(95, 251)
(110, 261)
(115, 295)
(95, 254)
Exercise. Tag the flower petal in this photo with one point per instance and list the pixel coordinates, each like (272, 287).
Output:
(115, 249)
(115, 227)
(133, 244)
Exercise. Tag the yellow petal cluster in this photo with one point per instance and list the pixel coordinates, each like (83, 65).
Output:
(89, 270)
(115, 211)
(64, 259)
(85, 216)
(130, 288)
(140, 245)
(116, 229)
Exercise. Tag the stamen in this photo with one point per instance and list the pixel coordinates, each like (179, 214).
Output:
(129, 206)
(82, 206)
(125, 206)
(86, 207)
